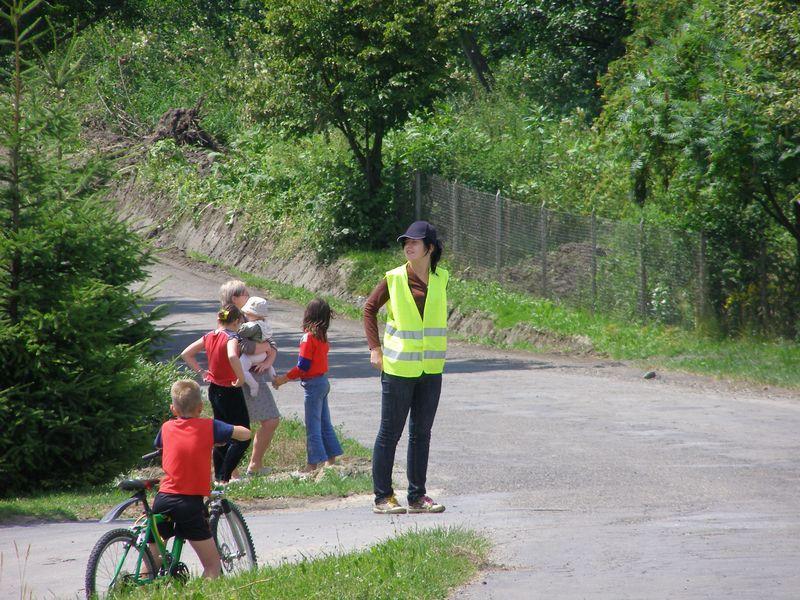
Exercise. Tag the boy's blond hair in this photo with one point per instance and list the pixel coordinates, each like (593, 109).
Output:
(186, 396)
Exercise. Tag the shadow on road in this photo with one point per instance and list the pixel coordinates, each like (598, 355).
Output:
(349, 355)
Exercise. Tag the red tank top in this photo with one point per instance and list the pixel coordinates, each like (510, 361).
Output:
(186, 459)
(220, 371)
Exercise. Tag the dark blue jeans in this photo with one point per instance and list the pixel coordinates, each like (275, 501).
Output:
(418, 396)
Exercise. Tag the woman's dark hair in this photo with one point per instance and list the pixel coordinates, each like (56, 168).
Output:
(317, 319)
(436, 254)
(229, 314)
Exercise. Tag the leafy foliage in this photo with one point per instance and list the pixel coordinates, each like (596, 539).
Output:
(708, 142)
(696, 126)
(554, 51)
(360, 66)
(75, 387)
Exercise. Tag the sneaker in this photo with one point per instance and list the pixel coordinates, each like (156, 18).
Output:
(425, 505)
(388, 506)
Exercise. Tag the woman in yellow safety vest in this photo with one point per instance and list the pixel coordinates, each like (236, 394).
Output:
(411, 363)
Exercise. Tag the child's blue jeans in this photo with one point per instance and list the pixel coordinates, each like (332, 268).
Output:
(321, 441)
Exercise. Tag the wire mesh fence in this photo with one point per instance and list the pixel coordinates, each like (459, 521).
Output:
(629, 270)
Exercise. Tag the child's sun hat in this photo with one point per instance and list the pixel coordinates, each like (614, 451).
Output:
(256, 305)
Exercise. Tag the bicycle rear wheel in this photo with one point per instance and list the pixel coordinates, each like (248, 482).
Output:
(115, 562)
(233, 539)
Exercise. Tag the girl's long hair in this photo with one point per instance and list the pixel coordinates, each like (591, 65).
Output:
(317, 319)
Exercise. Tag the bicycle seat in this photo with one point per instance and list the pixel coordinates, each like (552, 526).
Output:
(137, 485)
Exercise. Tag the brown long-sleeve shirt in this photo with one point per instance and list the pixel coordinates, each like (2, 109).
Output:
(380, 296)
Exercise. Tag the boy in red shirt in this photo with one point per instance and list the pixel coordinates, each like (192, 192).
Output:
(187, 442)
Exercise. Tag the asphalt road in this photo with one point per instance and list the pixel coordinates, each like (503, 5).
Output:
(590, 481)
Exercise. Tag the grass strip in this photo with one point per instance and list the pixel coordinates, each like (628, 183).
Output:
(286, 454)
(425, 565)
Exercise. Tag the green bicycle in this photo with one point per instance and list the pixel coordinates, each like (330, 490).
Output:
(122, 557)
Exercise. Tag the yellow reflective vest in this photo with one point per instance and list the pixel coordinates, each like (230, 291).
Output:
(413, 345)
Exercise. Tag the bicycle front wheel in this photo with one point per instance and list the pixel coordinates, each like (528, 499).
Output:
(233, 539)
(116, 562)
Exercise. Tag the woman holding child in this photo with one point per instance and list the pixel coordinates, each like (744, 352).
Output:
(261, 405)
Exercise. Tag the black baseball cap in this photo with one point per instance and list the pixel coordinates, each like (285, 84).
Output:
(419, 230)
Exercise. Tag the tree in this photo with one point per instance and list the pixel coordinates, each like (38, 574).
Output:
(708, 119)
(556, 50)
(77, 394)
(361, 66)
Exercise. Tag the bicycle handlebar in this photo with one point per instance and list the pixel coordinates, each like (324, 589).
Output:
(151, 455)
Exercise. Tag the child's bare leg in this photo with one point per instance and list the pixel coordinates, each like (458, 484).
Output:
(207, 553)
(261, 443)
(247, 362)
(156, 558)
(251, 383)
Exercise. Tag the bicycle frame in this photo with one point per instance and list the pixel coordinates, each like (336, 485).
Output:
(146, 528)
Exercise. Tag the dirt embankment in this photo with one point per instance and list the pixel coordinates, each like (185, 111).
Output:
(212, 232)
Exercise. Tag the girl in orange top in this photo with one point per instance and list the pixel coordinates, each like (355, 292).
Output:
(322, 445)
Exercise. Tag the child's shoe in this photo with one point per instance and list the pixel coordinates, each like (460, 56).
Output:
(388, 506)
(425, 505)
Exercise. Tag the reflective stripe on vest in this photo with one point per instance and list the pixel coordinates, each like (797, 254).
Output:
(413, 345)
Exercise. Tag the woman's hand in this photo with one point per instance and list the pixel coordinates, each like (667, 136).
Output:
(265, 364)
(376, 358)
(261, 367)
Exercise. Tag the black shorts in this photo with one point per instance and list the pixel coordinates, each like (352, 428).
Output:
(188, 516)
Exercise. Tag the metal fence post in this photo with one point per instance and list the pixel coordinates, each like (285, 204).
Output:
(642, 272)
(763, 309)
(456, 242)
(498, 250)
(703, 292)
(417, 196)
(594, 260)
(543, 246)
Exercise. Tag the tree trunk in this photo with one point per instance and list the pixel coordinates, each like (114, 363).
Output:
(373, 165)
(477, 60)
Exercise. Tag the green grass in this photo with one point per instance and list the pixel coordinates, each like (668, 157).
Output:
(649, 345)
(653, 345)
(423, 565)
(286, 454)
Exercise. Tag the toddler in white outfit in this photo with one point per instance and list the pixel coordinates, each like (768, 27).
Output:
(257, 329)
